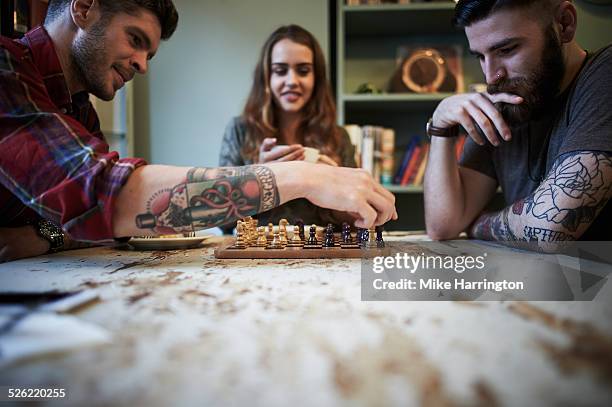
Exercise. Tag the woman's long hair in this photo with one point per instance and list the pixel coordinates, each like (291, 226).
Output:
(318, 125)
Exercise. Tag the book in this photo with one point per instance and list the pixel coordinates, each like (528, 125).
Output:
(416, 153)
(405, 160)
(418, 179)
(387, 147)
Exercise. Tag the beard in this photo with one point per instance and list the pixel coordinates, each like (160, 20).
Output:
(89, 60)
(538, 88)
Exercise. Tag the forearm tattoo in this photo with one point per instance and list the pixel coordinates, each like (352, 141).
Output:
(210, 197)
(575, 190)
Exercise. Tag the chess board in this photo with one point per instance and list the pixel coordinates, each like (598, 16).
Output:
(335, 252)
(277, 244)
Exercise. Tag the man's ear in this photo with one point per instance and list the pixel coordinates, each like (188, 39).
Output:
(84, 12)
(566, 20)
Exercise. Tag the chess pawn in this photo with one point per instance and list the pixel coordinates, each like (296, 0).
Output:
(300, 224)
(239, 244)
(261, 237)
(371, 242)
(312, 242)
(346, 233)
(312, 236)
(283, 234)
(380, 243)
(295, 241)
(275, 243)
(329, 236)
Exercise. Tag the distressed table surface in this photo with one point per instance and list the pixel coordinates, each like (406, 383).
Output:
(191, 329)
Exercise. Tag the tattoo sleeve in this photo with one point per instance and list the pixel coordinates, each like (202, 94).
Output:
(210, 197)
(563, 206)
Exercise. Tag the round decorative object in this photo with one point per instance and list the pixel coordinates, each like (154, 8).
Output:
(424, 71)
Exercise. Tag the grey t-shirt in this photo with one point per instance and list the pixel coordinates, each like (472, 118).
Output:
(579, 120)
(232, 155)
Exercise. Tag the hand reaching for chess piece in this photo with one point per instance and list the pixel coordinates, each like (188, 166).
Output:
(349, 190)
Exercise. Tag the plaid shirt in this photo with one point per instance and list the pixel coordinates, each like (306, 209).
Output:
(54, 161)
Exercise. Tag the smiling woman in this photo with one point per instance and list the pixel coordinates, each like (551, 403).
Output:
(290, 115)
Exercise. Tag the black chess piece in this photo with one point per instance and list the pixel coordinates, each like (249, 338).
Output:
(365, 236)
(300, 224)
(346, 233)
(329, 236)
(312, 236)
(380, 243)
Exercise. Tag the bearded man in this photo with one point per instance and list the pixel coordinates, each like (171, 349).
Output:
(542, 131)
(56, 168)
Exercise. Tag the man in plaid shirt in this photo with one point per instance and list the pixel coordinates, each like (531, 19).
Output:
(56, 165)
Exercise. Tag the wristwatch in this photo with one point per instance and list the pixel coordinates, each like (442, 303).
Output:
(433, 131)
(51, 233)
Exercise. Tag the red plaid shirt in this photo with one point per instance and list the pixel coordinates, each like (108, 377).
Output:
(54, 161)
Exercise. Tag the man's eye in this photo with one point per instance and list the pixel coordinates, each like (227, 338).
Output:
(506, 51)
(136, 41)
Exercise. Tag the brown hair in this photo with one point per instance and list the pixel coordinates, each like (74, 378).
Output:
(318, 126)
(164, 10)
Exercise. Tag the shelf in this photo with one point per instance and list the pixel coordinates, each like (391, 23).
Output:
(393, 102)
(404, 189)
(400, 19)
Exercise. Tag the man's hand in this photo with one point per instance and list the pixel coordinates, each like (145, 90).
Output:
(353, 191)
(477, 114)
(21, 242)
(323, 159)
(269, 152)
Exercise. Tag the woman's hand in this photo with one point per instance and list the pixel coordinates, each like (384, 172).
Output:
(20, 242)
(269, 152)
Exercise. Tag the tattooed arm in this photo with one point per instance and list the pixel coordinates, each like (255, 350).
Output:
(167, 200)
(565, 204)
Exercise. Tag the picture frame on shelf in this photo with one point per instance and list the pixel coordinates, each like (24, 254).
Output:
(428, 69)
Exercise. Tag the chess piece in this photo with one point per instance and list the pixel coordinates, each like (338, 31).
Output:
(300, 224)
(270, 234)
(239, 244)
(347, 239)
(346, 233)
(282, 233)
(295, 241)
(380, 243)
(312, 242)
(275, 243)
(329, 236)
(361, 235)
(261, 237)
(370, 243)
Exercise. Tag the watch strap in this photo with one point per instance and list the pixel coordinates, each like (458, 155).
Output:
(52, 233)
(433, 131)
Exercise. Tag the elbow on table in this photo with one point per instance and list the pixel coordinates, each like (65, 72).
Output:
(441, 230)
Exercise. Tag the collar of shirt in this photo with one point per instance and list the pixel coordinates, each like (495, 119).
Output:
(46, 60)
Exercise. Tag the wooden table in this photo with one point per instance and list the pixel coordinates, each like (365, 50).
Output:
(189, 329)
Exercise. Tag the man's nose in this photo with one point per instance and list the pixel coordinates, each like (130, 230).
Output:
(140, 63)
(493, 73)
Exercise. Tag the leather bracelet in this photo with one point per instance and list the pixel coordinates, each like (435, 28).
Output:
(433, 131)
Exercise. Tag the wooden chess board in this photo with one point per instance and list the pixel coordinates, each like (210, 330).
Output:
(274, 247)
(335, 252)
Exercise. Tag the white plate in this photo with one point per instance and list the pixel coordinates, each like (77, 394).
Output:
(162, 243)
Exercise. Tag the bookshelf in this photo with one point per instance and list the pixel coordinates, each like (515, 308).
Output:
(368, 37)
(19, 16)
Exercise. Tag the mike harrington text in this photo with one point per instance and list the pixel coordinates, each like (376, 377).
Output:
(437, 284)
